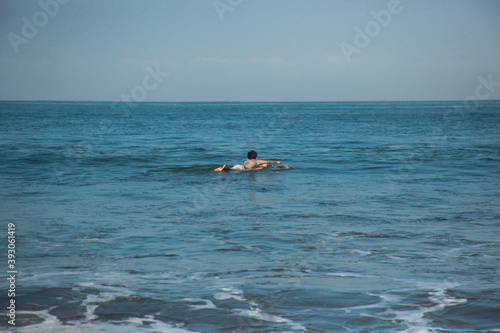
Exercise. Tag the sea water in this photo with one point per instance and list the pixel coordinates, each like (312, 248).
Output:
(384, 217)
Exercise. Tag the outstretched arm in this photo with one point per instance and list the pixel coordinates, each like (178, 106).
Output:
(254, 164)
(260, 162)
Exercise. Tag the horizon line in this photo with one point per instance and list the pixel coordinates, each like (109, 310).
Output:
(145, 102)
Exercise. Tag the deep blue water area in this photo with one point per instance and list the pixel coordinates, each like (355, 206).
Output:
(384, 217)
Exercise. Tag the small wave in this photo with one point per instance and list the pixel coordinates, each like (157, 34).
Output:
(50, 323)
(417, 317)
(205, 303)
(166, 255)
(350, 275)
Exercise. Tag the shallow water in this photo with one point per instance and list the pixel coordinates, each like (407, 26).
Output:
(384, 217)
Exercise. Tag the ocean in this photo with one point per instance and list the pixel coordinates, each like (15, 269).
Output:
(384, 217)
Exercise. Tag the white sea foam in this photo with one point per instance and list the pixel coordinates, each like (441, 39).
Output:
(348, 274)
(362, 253)
(105, 294)
(130, 325)
(260, 315)
(397, 258)
(415, 319)
(93, 301)
(230, 293)
(254, 312)
(208, 304)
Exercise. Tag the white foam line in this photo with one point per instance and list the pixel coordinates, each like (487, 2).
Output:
(131, 325)
(350, 275)
(48, 324)
(415, 318)
(208, 304)
(396, 258)
(259, 315)
(230, 293)
(158, 326)
(93, 301)
(51, 323)
(254, 312)
(442, 300)
(362, 253)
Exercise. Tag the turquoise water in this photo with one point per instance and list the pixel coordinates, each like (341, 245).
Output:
(384, 217)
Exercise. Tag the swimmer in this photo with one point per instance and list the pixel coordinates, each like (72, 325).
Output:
(252, 163)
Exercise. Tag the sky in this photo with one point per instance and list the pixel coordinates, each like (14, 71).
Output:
(249, 50)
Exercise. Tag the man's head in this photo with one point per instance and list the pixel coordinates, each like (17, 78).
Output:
(252, 154)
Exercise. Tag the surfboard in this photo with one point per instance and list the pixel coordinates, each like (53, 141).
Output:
(226, 168)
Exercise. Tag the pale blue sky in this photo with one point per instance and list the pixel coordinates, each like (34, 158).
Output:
(262, 50)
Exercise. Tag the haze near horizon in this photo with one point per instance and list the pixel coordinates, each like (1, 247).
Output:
(240, 50)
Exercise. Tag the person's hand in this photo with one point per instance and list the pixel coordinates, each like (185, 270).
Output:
(279, 162)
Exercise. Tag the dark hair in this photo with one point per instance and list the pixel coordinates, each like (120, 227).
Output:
(252, 154)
